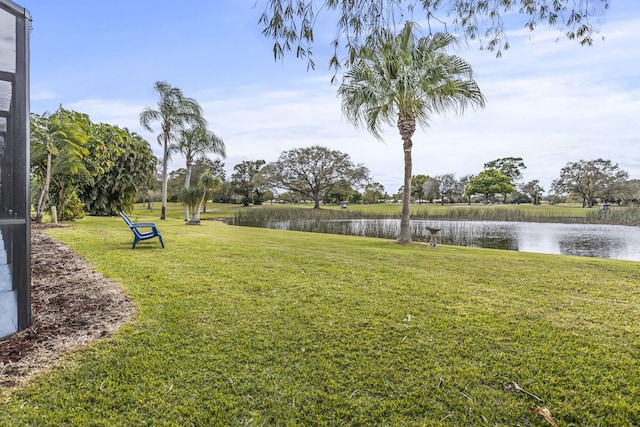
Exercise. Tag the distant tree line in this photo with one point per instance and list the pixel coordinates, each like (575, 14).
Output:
(590, 182)
(80, 167)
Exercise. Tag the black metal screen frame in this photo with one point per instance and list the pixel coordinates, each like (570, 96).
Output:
(15, 206)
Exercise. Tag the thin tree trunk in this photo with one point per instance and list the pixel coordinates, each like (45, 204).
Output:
(165, 177)
(195, 219)
(44, 194)
(61, 201)
(187, 183)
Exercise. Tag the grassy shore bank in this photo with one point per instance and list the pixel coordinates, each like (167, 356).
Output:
(382, 221)
(244, 326)
(563, 213)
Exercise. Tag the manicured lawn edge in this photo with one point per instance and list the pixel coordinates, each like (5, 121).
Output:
(264, 327)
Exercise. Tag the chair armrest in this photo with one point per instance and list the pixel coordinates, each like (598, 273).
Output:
(144, 224)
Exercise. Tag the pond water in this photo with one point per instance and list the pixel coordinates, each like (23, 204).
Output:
(591, 240)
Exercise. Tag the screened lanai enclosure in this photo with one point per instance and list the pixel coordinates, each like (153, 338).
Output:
(15, 249)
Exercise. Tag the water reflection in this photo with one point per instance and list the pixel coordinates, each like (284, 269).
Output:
(591, 240)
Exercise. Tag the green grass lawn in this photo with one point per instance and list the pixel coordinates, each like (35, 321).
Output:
(244, 326)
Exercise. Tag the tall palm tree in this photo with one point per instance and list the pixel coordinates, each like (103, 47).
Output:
(174, 111)
(197, 141)
(403, 80)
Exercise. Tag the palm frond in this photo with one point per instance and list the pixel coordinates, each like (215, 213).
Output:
(403, 74)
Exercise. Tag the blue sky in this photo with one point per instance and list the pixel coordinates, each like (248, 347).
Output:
(549, 102)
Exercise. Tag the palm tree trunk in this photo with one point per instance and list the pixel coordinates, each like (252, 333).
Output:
(405, 224)
(195, 220)
(406, 126)
(165, 177)
(187, 183)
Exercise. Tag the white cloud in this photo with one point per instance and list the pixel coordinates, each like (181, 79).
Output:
(118, 112)
(547, 102)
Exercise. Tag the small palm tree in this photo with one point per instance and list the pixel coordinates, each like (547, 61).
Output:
(208, 183)
(197, 141)
(403, 80)
(190, 197)
(174, 111)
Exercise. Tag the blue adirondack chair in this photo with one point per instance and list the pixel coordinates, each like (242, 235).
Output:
(142, 235)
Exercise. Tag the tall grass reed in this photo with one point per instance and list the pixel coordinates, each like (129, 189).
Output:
(356, 223)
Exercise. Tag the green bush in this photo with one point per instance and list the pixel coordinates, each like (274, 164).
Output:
(73, 209)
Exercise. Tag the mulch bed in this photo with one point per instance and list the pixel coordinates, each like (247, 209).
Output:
(71, 306)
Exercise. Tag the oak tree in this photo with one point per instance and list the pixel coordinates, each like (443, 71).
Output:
(313, 172)
(590, 180)
(489, 182)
